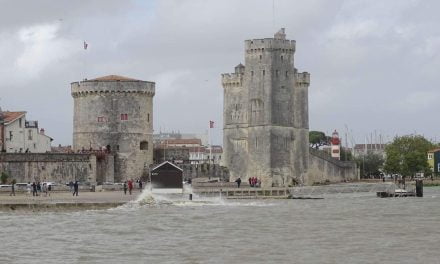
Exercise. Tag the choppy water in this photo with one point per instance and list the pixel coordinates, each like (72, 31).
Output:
(342, 228)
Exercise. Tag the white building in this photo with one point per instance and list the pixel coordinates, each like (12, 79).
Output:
(201, 154)
(19, 135)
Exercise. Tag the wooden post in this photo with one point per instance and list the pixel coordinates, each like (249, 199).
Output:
(419, 188)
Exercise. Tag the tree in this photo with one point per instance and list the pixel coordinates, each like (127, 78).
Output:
(4, 178)
(370, 164)
(406, 155)
(317, 139)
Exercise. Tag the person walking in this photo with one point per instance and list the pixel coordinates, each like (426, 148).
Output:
(71, 186)
(140, 185)
(130, 186)
(34, 189)
(238, 181)
(75, 188)
(12, 188)
(38, 187)
(125, 188)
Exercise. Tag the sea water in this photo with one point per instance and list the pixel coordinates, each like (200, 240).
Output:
(168, 228)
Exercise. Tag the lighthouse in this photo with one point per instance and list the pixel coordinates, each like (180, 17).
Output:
(336, 145)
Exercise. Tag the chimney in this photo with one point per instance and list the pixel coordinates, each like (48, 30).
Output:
(42, 131)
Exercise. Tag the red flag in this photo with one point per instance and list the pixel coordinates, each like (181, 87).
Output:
(211, 124)
(85, 45)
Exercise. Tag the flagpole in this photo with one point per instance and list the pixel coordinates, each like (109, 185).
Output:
(210, 144)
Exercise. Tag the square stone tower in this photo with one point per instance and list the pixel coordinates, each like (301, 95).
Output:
(266, 114)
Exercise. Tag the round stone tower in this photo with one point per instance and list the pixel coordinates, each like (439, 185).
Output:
(115, 113)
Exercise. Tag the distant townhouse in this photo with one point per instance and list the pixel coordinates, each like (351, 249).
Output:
(362, 149)
(20, 135)
(434, 160)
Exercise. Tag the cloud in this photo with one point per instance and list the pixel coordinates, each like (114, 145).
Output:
(368, 59)
(42, 49)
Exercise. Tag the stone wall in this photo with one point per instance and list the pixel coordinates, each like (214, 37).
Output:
(325, 169)
(55, 167)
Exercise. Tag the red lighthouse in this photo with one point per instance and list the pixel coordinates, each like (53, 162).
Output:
(336, 145)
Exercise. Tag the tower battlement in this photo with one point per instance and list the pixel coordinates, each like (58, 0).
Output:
(270, 44)
(232, 79)
(90, 87)
(303, 78)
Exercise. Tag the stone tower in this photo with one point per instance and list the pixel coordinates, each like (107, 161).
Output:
(266, 114)
(116, 113)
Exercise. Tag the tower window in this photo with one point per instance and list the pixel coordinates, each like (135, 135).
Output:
(124, 117)
(144, 145)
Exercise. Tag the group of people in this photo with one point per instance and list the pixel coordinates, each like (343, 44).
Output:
(38, 188)
(254, 182)
(129, 185)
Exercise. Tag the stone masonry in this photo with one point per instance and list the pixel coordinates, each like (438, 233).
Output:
(115, 113)
(266, 115)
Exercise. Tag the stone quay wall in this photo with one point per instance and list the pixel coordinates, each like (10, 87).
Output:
(325, 169)
(57, 167)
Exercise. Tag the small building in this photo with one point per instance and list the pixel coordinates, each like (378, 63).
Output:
(434, 160)
(18, 135)
(363, 149)
(166, 175)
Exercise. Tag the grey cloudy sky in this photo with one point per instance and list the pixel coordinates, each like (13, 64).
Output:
(374, 64)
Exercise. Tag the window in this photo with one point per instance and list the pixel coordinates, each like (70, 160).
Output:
(29, 134)
(117, 147)
(19, 122)
(144, 145)
(429, 156)
(276, 73)
(252, 73)
(287, 73)
(124, 117)
(10, 135)
(261, 57)
(148, 117)
(35, 146)
(282, 58)
(264, 72)
(101, 119)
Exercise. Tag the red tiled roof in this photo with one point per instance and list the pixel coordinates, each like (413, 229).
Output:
(197, 149)
(113, 78)
(11, 116)
(434, 150)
